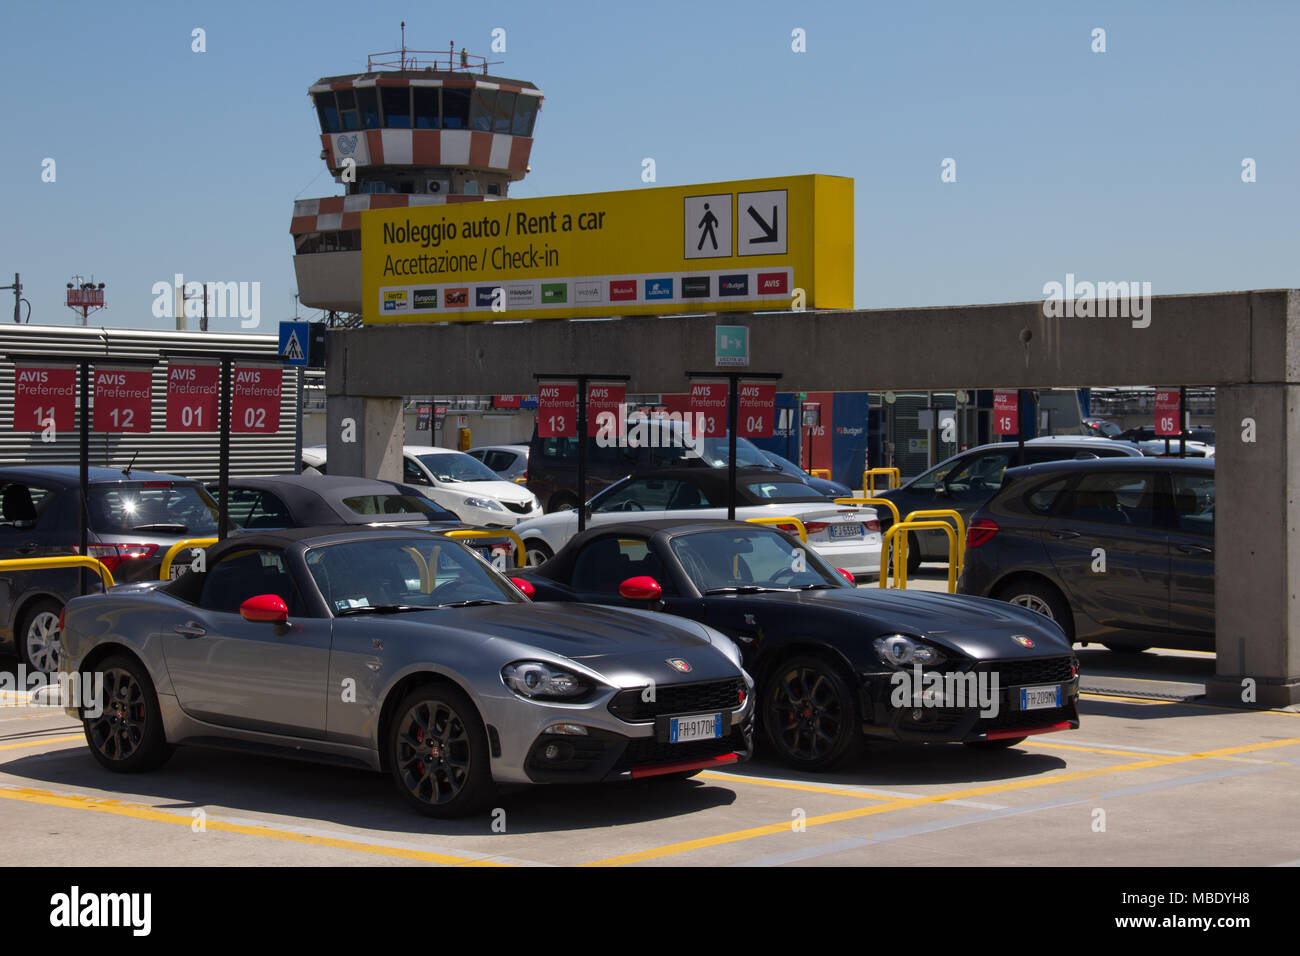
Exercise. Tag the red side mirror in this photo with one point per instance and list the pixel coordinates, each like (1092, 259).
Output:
(265, 607)
(525, 586)
(640, 589)
(848, 576)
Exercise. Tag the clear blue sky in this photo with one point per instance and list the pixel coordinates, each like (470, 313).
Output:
(1122, 165)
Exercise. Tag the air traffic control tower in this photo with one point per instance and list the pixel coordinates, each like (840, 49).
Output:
(417, 128)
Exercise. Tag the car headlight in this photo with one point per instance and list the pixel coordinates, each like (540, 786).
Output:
(538, 681)
(898, 650)
(486, 503)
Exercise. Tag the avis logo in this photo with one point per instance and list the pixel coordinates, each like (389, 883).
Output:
(252, 376)
(109, 378)
(31, 377)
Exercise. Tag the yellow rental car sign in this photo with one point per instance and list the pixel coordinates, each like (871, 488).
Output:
(736, 246)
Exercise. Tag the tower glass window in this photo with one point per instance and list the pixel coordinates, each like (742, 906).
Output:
(396, 101)
(328, 111)
(368, 106)
(455, 108)
(347, 100)
(481, 112)
(426, 106)
(504, 113)
(525, 114)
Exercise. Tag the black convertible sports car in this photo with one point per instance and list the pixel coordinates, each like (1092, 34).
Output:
(832, 662)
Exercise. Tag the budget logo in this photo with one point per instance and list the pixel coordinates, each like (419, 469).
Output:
(395, 301)
(695, 287)
(425, 299)
(622, 290)
(554, 293)
(773, 283)
(521, 295)
(658, 289)
(586, 292)
(456, 298)
(733, 285)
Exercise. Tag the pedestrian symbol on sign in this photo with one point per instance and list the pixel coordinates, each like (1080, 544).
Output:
(292, 350)
(707, 227)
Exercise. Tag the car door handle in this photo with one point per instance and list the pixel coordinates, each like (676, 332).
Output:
(1065, 534)
(190, 630)
(1195, 549)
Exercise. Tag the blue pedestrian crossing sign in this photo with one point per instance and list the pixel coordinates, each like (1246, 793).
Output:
(295, 342)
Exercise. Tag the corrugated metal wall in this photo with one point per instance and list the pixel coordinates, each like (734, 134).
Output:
(193, 454)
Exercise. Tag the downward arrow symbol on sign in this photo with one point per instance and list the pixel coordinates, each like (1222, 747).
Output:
(769, 232)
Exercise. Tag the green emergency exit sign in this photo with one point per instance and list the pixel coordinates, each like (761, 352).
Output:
(731, 345)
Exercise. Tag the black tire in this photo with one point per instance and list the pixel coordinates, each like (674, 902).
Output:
(1004, 743)
(438, 753)
(37, 638)
(913, 554)
(1041, 597)
(127, 734)
(561, 502)
(537, 553)
(805, 699)
(1126, 648)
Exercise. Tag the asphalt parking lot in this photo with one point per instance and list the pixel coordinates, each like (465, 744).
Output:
(1145, 781)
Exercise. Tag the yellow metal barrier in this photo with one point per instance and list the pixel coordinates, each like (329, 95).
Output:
(799, 526)
(961, 529)
(69, 561)
(894, 475)
(165, 572)
(820, 473)
(521, 552)
(896, 540)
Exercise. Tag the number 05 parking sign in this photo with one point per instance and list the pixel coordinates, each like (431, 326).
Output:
(255, 400)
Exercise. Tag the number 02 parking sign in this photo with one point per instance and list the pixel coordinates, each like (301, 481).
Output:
(255, 400)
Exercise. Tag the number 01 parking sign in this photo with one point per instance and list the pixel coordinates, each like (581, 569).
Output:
(192, 393)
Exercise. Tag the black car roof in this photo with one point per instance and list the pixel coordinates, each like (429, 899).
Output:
(713, 481)
(286, 537)
(1074, 465)
(307, 493)
(71, 474)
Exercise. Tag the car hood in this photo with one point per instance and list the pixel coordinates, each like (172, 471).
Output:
(981, 628)
(501, 490)
(625, 648)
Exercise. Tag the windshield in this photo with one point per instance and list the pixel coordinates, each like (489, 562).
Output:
(457, 466)
(398, 508)
(391, 574)
(783, 491)
(163, 506)
(757, 559)
(716, 453)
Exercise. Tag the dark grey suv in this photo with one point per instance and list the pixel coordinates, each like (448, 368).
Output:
(134, 519)
(1117, 552)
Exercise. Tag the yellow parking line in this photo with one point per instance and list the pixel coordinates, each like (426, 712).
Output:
(1046, 745)
(43, 740)
(140, 811)
(789, 785)
(785, 826)
(1188, 703)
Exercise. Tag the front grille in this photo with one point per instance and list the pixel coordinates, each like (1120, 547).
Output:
(718, 695)
(1043, 670)
(519, 507)
(646, 751)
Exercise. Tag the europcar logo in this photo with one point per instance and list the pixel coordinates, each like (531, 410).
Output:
(455, 298)
(394, 301)
(425, 299)
(695, 287)
(658, 288)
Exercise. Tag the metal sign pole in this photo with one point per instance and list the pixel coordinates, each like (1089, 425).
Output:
(83, 370)
(223, 475)
(582, 453)
(733, 421)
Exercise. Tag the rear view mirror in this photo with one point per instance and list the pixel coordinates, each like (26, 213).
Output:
(641, 588)
(265, 607)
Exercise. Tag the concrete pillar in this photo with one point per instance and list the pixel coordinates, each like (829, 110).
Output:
(1257, 544)
(364, 436)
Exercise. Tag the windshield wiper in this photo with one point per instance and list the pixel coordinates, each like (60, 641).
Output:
(380, 609)
(746, 589)
(476, 603)
(817, 587)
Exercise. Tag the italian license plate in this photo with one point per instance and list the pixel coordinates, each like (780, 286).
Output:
(178, 568)
(702, 727)
(1042, 697)
(846, 530)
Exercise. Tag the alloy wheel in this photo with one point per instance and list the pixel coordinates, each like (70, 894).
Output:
(807, 712)
(43, 646)
(433, 752)
(120, 727)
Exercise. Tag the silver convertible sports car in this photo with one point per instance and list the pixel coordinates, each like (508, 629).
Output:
(405, 652)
